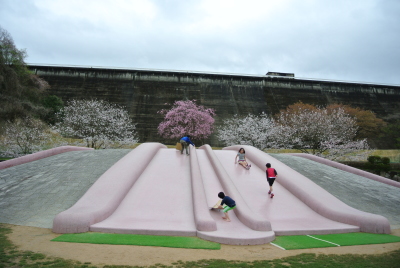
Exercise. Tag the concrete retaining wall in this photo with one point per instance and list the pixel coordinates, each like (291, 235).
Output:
(144, 92)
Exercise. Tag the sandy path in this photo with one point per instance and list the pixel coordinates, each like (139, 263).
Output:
(38, 240)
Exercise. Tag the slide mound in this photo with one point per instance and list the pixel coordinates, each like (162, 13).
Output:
(154, 190)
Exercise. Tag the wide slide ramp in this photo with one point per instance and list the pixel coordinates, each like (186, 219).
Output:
(155, 190)
(160, 201)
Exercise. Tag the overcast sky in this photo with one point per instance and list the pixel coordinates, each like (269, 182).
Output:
(350, 40)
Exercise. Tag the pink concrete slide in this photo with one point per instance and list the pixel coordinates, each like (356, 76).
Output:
(157, 191)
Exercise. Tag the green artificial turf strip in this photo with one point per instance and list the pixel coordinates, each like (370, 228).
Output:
(138, 240)
(299, 242)
(348, 239)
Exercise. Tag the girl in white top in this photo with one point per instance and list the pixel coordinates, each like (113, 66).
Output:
(242, 159)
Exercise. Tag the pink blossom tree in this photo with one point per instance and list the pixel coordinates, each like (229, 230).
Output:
(187, 118)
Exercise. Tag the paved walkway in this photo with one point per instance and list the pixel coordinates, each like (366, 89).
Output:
(32, 194)
(356, 191)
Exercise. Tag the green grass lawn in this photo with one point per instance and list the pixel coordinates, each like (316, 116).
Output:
(394, 155)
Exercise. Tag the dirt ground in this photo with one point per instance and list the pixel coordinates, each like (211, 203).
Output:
(38, 240)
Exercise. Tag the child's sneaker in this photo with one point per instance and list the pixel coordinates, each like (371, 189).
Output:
(272, 195)
(249, 165)
(269, 192)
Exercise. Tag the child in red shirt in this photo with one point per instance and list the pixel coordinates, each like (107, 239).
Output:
(271, 176)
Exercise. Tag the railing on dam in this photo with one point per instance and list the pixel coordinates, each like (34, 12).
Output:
(202, 73)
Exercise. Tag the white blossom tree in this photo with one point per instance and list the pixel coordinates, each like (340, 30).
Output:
(323, 132)
(99, 123)
(357, 150)
(258, 131)
(329, 133)
(24, 136)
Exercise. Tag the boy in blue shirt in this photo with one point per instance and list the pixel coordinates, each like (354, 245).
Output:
(229, 205)
(185, 141)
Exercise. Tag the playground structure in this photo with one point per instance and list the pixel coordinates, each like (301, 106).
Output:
(155, 190)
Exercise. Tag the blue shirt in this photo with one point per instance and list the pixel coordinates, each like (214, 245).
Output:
(187, 140)
(228, 201)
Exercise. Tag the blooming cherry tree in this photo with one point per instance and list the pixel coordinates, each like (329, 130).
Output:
(258, 131)
(24, 136)
(324, 132)
(99, 123)
(187, 118)
(328, 133)
(357, 150)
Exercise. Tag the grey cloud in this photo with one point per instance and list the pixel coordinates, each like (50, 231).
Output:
(341, 40)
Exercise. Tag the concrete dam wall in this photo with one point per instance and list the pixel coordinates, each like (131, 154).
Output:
(144, 92)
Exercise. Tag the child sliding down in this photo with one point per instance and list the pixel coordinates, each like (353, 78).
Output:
(242, 159)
